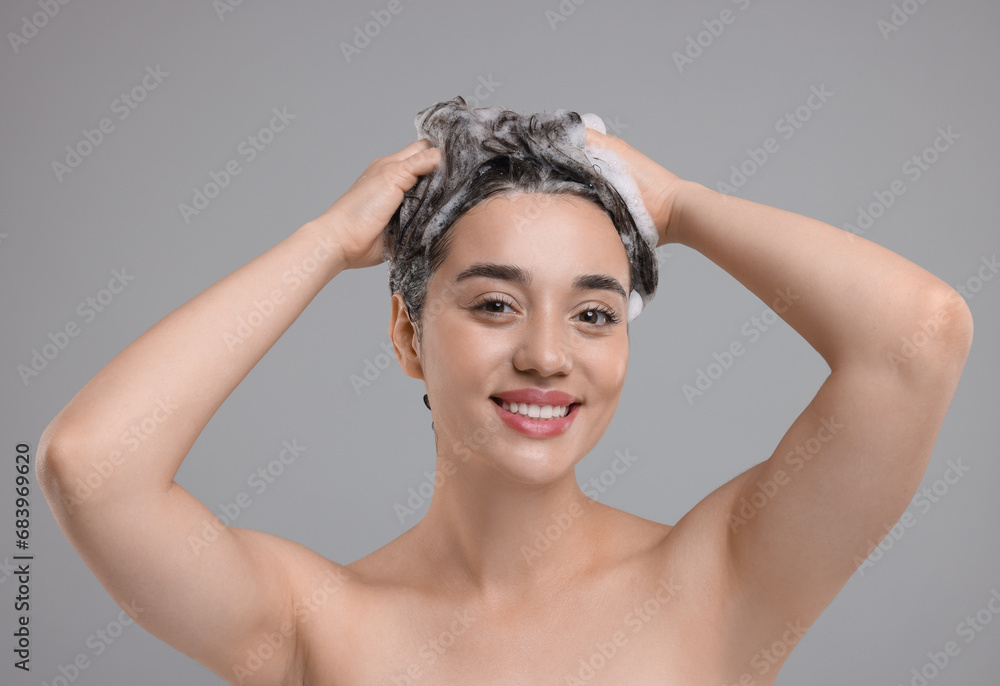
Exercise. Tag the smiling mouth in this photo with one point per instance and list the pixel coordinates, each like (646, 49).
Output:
(533, 411)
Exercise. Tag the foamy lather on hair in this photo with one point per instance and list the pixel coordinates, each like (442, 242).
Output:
(447, 123)
(613, 168)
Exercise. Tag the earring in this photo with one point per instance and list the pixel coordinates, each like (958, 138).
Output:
(427, 402)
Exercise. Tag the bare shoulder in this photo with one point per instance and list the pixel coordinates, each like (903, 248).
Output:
(397, 563)
(635, 536)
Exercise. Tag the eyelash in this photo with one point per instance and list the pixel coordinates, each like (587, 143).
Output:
(481, 305)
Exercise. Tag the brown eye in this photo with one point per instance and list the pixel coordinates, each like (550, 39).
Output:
(593, 315)
(493, 305)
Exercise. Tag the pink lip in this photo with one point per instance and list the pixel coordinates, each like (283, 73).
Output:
(538, 428)
(536, 396)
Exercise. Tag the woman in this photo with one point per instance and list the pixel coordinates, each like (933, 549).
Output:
(514, 576)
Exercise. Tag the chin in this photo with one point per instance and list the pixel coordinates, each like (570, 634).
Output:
(536, 468)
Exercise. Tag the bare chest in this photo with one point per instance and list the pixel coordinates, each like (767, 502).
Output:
(650, 633)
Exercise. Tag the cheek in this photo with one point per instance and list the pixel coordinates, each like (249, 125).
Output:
(461, 352)
(616, 365)
(606, 370)
(606, 359)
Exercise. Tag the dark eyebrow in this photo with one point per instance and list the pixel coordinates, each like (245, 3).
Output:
(599, 282)
(491, 270)
(515, 274)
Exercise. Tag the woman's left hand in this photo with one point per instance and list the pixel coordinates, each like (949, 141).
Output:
(660, 188)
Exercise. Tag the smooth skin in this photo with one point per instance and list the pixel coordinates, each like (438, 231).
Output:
(718, 598)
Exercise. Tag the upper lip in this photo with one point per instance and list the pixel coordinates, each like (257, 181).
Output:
(536, 396)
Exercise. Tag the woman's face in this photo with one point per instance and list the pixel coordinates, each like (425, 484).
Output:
(524, 300)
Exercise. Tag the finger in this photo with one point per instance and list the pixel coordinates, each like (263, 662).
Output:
(409, 150)
(423, 162)
(595, 137)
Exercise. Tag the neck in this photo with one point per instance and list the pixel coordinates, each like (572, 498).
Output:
(502, 537)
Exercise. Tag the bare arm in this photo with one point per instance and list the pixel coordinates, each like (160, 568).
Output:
(108, 459)
(895, 337)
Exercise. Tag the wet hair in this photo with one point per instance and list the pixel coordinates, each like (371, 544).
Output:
(492, 152)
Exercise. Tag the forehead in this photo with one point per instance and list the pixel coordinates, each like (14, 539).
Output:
(548, 235)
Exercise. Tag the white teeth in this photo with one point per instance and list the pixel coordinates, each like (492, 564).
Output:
(536, 411)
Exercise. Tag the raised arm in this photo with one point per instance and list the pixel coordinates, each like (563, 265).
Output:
(895, 337)
(107, 461)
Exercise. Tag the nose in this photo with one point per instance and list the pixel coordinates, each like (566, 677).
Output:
(545, 345)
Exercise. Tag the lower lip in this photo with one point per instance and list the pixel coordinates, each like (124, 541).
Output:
(537, 428)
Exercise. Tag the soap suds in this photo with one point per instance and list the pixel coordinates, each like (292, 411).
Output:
(483, 148)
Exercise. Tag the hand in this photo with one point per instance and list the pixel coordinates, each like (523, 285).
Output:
(358, 218)
(660, 189)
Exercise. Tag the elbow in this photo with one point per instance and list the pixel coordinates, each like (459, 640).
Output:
(939, 342)
(58, 461)
(51, 464)
(955, 317)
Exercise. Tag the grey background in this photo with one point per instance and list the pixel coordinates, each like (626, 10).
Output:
(59, 241)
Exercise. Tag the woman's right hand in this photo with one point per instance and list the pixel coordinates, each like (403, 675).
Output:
(357, 219)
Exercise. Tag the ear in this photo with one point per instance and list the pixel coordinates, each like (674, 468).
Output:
(404, 339)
